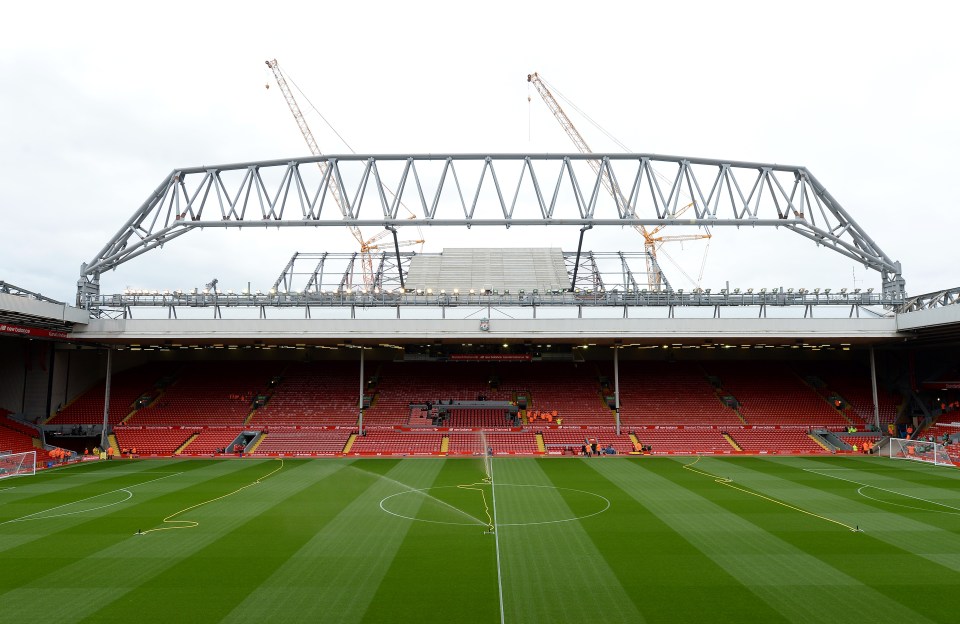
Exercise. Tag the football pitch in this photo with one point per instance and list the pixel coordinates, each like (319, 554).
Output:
(516, 540)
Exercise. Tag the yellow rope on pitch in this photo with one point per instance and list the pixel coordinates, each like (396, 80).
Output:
(189, 524)
(729, 483)
(483, 496)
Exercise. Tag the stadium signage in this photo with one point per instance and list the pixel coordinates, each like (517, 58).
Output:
(486, 357)
(32, 332)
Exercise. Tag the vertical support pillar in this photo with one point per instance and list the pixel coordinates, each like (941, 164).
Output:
(360, 420)
(873, 383)
(396, 248)
(616, 385)
(106, 400)
(576, 263)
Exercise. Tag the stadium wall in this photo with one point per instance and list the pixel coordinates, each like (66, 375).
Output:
(12, 373)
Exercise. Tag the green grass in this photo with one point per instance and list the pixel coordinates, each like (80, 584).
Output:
(398, 540)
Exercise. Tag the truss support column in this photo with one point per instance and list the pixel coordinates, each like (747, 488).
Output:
(396, 248)
(576, 264)
(873, 384)
(616, 385)
(106, 400)
(360, 419)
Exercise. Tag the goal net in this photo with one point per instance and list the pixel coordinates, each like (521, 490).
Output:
(919, 450)
(18, 464)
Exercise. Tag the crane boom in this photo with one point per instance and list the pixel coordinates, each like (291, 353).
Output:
(649, 241)
(365, 262)
(366, 245)
(577, 139)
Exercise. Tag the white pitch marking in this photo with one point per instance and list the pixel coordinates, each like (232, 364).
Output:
(29, 517)
(503, 524)
(422, 491)
(496, 538)
(956, 511)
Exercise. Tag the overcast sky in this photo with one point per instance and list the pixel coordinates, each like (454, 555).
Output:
(99, 101)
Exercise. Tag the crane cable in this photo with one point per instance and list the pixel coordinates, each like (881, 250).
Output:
(344, 141)
(684, 195)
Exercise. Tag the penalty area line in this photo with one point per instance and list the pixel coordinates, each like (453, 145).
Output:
(126, 489)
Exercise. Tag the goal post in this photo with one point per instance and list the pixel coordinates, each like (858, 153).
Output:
(919, 450)
(18, 464)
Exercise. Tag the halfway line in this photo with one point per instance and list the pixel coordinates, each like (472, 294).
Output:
(496, 538)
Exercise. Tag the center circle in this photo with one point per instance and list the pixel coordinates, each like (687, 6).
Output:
(429, 505)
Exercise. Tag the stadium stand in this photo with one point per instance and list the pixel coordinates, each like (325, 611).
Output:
(299, 441)
(211, 439)
(312, 393)
(567, 440)
(206, 394)
(770, 393)
(673, 393)
(404, 383)
(397, 443)
(158, 441)
(500, 442)
(15, 437)
(859, 440)
(571, 391)
(310, 407)
(852, 385)
(125, 388)
(776, 440)
(686, 439)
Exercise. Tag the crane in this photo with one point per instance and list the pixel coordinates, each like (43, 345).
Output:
(651, 242)
(366, 245)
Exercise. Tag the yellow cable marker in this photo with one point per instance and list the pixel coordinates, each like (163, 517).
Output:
(729, 483)
(483, 496)
(189, 524)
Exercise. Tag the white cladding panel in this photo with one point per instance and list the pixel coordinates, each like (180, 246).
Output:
(530, 269)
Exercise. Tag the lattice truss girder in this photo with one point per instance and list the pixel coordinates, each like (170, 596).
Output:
(932, 300)
(315, 273)
(501, 190)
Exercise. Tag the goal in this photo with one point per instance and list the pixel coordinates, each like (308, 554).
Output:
(18, 464)
(919, 450)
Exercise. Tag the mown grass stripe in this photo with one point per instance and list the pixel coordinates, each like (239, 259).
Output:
(242, 558)
(334, 576)
(113, 560)
(659, 569)
(799, 586)
(451, 565)
(552, 571)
